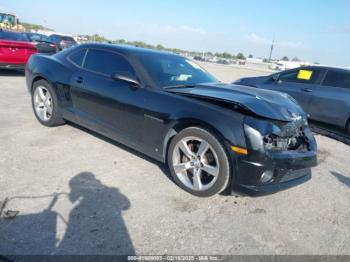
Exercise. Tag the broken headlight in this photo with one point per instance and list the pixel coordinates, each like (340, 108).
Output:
(276, 136)
(295, 140)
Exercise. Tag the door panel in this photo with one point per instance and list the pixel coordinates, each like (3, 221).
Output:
(105, 105)
(299, 83)
(110, 107)
(300, 92)
(330, 105)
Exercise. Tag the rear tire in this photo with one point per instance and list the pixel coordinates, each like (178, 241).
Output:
(45, 104)
(198, 162)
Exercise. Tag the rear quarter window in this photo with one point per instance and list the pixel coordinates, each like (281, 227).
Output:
(337, 79)
(77, 58)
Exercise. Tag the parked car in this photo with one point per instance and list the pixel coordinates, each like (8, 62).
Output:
(213, 136)
(323, 92)
(62, 42)
(15, 50)
(42, 43)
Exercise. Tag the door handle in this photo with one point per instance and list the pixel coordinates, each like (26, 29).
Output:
(308, 90)
(79, 79)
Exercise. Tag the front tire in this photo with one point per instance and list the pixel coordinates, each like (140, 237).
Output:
(198, 162)
(45, 104)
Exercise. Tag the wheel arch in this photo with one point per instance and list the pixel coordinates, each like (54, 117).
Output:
(36, 79)
(186, 123)
(347, 124)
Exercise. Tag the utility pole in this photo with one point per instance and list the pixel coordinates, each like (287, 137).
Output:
(271, 48)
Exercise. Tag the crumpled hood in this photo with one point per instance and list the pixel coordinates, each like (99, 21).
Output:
(265, 103)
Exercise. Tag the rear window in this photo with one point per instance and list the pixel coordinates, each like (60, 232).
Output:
(302, 75)
(67, 38)
(337, 79)
(37, 37)
(12, 36)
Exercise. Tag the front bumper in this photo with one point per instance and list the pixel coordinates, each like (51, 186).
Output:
(286, 168)
(287, 173)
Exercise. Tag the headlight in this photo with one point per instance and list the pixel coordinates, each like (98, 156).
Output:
(276, 136)
(275, 143)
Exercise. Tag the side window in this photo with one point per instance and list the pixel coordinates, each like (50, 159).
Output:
(289, 76)
(337, 79)
(35, 37)
(303, 76)
(77, 58)
(107, 63)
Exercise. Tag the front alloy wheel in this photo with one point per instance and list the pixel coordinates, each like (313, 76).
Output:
(198, 162)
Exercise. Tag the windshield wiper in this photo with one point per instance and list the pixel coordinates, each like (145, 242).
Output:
(180, 86)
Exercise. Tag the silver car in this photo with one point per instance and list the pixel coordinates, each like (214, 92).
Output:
(323, 92)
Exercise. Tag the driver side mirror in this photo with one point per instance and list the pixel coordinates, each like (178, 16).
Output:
(125, 77)
(275, 77)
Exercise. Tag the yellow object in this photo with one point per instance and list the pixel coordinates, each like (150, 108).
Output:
(305, 74)
(239, 150)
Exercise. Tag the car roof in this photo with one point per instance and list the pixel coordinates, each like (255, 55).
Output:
(9, 31)
(125, 49)
(33, 33)
(61, 35)
(324, 67)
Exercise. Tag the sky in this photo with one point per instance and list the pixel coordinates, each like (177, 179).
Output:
(312, 30)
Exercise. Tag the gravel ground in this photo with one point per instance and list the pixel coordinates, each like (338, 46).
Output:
(78, 193)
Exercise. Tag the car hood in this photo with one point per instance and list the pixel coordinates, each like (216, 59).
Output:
(264, 103)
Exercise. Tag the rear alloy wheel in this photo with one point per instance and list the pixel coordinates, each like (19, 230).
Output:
(198, 162)
(44, 102)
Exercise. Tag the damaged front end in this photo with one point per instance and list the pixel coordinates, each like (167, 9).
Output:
(281, 155)
(289, 137)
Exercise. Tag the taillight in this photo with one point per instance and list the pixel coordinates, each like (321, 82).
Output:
(33, 48)
(53, 45)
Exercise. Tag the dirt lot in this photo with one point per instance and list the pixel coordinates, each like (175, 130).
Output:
(112, 200)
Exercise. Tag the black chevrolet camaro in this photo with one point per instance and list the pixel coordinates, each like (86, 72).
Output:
(213, 136)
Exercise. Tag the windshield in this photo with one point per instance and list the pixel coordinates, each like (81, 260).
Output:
(171, 70)
(7, 19)
(38, 37)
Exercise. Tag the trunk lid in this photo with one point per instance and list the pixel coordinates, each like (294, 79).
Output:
(16, 52)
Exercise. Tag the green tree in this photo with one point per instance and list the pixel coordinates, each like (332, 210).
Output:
(296, 59)
(240, 56)
(227, 55)
(250, 56)
(285, 58)
(160, 47)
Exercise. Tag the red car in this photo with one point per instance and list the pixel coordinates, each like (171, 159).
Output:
(15, 50)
